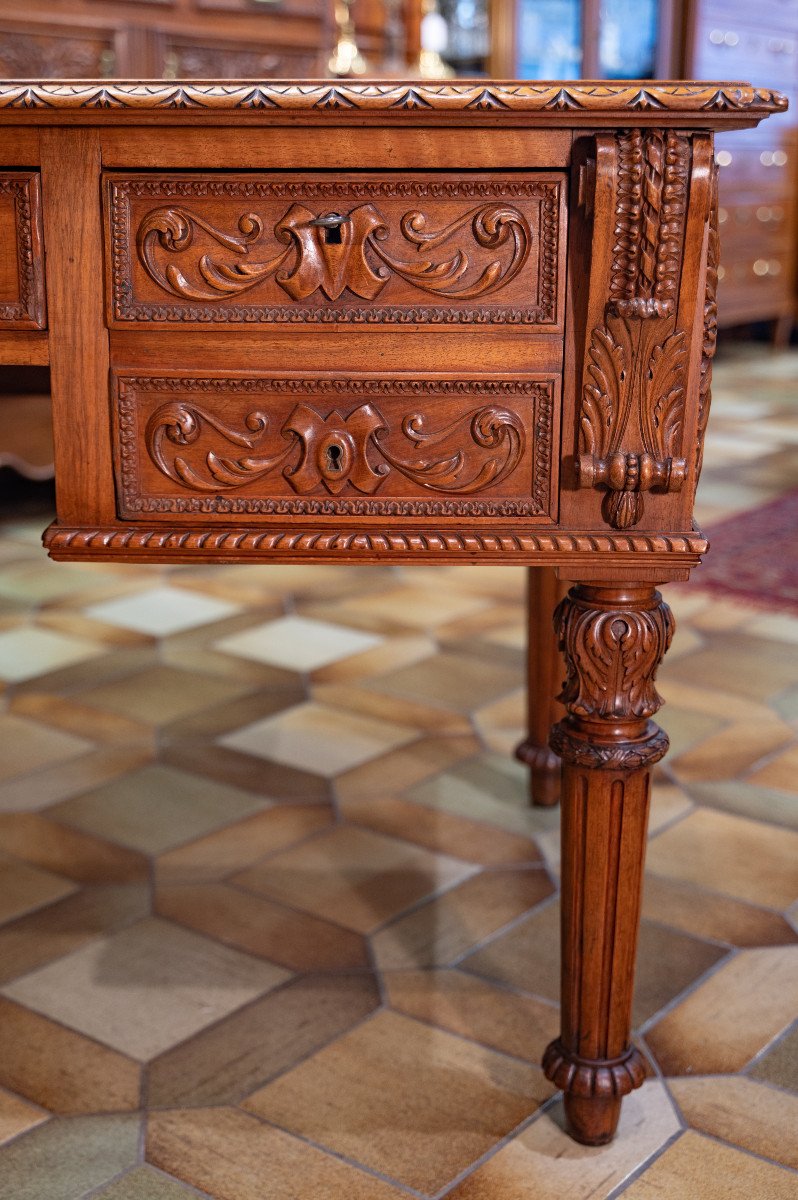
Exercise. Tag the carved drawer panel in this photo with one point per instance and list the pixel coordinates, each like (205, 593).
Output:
(21, 265)
(259, 445)
(411, 249)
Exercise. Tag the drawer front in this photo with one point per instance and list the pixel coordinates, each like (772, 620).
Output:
(225, 445)
(22, 304)
(444, 249)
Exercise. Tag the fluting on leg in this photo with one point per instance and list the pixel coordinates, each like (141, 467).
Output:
(544, 678)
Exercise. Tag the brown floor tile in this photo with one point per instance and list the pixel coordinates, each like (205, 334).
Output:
(16, 1116)
(443, 832)
(64, 1159)
(697, 1168)
(409, 605)
(735, 750)
(404, 768)
(408, 1100)
(70, 716)
(60, 1069)
(751, 1115)
(393, 653)
(259, 926)
(780, 1064)
(41, 936)
(356, 877)
(144, 1183)
(746, 800)
(156, 808)
(711, 915)
(232, 1155)
(30, 746)
(274, 781)
(162, 694)
(41, 788)
(729, 854)
(455, 681)
(239, 1054)
(755, 667)
(780, 772)
(528, 958)
(220, 854)
(543, 1163)
(362, 701)
(442, 930)
(476, 1009)
(731, 1016)
(23, 888)
(146, 988)
(68, 852)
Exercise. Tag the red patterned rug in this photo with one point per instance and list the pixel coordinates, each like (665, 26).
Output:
(753, 556)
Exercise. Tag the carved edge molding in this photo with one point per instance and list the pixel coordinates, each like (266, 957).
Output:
(125, 308)
(689, 99)
(586, 1077)
(29, 312)
(665, 551)
(133, 504)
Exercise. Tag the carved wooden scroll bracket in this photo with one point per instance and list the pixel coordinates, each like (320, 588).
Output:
(631, 423)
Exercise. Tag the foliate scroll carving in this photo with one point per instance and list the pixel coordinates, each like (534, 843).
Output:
(474, 452)
(20, 191)
(633, 402)
(240, 248)
(613, 643)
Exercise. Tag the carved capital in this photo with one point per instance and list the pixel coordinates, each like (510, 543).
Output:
(586, 1078)
(613, 641)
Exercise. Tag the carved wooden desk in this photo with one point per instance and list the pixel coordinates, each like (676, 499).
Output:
(400, 323)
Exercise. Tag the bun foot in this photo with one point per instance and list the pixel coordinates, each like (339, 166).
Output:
(592, 1120)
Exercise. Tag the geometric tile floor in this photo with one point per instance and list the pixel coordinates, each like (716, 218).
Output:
(276, 922)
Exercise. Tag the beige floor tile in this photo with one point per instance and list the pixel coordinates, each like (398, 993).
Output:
(64, 1159)
(408, 1100)
(388, 655)
(780, 1064)
(731, 1016)
(697, 1168)
(747, 800)
(319, 739)
(752, 1115)
(353, 876)
(156, 808)
(735, 750)
(298, 644)
(228, 1154)
(746, 859)
(294, 940)
(62, 1070)
(476, 1009)
(161, 695)
(44, 580)
(457, 682)
(755, 667)
(220, 854)
(145, 988)
(361, 700)
(473, 841)
(70, 715)
(26, 653)
(490, 788)
(236, 1056)
(144, 1183)
(543, 1163)
(418, 607)
(668, 801)
(29, 746)
(781, 772)
(711, 915)
(51, 932)
(162, 611)
(17, 1115)
(23, 888)
(441, 931)
(405, 767)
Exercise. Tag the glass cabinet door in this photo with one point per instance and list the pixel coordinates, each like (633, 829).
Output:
(549, 39)
(627, 42)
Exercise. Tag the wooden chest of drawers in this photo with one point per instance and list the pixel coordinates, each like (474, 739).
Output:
(389, 322)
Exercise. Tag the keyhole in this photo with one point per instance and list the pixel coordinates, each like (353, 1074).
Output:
(334, 455)
(332, 235)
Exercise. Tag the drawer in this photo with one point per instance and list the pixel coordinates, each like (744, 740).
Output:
(22, 304)
(214, 446)
(385, 248)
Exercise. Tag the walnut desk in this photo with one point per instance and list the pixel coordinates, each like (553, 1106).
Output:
(369, 323)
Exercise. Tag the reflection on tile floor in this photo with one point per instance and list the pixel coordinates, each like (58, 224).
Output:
(276, 920)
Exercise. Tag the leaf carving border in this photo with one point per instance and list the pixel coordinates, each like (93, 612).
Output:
(29, 311)
(133, 505)
(549, 232)
(568, 98)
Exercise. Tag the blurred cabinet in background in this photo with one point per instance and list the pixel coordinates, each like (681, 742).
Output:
(734, 39)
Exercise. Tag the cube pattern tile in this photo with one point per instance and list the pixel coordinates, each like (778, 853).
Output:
(276, 919)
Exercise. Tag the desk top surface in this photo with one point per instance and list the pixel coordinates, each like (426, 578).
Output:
(701, 104)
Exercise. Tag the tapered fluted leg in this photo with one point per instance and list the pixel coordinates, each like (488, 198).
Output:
(544, 679)
(614, 639)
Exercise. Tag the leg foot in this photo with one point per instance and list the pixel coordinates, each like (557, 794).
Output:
(592, 1121)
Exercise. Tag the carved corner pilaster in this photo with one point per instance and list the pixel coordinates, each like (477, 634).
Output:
(634, 396)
